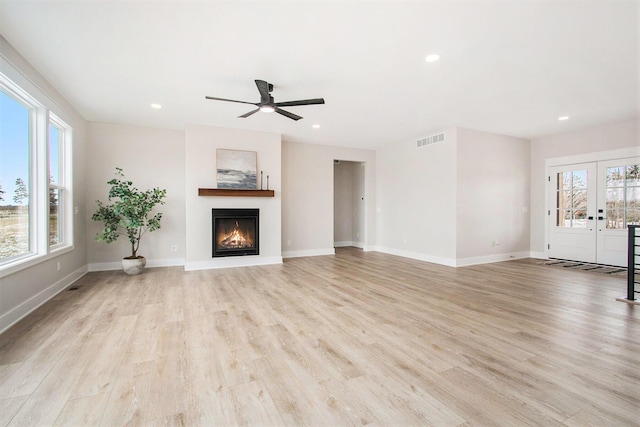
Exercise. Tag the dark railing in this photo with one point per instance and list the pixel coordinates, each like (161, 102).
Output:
(633, 263)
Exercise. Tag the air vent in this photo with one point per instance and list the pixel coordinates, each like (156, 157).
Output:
(431, 140)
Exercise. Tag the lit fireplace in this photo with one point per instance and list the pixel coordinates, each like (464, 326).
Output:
(235, 232)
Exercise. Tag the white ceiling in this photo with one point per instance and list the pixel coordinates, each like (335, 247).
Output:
(510, 67)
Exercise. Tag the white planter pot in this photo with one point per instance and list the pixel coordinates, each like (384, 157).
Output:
(133, 266)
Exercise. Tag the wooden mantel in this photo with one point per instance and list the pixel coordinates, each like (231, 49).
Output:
(234, 192)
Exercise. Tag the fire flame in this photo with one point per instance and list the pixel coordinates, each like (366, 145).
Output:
(235, 239)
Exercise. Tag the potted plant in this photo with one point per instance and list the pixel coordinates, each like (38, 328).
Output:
(128, 213)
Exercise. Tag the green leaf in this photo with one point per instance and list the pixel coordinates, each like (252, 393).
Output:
(129, 210)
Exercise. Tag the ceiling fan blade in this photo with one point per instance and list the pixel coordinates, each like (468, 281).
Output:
(244, 116)
(263, 88)
(230, 100)
(301, 102)
(288, 114)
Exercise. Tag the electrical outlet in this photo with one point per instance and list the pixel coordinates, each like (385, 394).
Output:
(174, 248)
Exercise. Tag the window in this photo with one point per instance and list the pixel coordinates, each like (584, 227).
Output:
(57, 193)
(35, 197)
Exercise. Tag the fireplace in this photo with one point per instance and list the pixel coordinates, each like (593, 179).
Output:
(235, 232)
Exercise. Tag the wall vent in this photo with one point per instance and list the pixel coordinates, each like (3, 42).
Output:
(433, 139)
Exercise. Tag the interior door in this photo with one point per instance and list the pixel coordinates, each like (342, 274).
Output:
(572, 213)
(618, 206)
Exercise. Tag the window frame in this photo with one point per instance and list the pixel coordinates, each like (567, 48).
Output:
(38, 187)
(65, 205)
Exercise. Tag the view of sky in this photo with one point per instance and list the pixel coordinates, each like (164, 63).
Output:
(14, 147)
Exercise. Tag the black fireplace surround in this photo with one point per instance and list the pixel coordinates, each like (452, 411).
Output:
(235, 232)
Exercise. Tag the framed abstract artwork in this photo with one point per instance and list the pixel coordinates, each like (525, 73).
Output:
(236, 169)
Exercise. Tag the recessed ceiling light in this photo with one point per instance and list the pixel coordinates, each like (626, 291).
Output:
(156, 106)
(563, 118)
(432, 58)
(316, 126)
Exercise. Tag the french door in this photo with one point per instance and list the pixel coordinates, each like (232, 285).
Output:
(591, 206)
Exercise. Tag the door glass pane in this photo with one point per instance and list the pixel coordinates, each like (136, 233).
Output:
(571, 199)
(579, 219)
(633, 198)
(564, 180)
(622, 195)
(564, 199)
(633, 176)
(615, 218)
(614, 176)
(579, 180)
(14, 177)
(580, 200)
(633, 217)
(615, 198)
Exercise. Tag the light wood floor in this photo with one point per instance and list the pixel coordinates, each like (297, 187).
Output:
(352, 339)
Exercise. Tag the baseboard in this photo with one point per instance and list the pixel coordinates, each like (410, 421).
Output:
(168, 262)
(416, 255)
(488, 259)
(308, 252)
(151, 263)
(229, 262)
(539, 255)
(449, 262)
(19, 312)
(349, 244)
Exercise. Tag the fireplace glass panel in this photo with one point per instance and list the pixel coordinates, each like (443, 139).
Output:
(235, 232)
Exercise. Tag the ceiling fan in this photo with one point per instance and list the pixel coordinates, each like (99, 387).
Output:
(267, 105)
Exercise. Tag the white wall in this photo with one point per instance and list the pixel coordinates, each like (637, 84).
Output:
(416, 200)
(150, 158)
(200, 172)
(448, 202)
(307, 197)
(492, 197)
(593, 140)
(25, 290)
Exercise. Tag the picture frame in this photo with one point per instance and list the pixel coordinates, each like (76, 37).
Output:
(236, 169)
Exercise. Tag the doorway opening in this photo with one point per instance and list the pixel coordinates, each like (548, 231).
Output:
(348, 204)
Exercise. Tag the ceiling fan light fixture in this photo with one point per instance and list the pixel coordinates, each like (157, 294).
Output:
(267, 109)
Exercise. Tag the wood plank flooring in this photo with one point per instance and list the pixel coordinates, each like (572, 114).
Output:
(351, 339)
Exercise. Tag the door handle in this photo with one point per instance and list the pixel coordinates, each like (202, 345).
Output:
(590, 218)
(600, 218)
